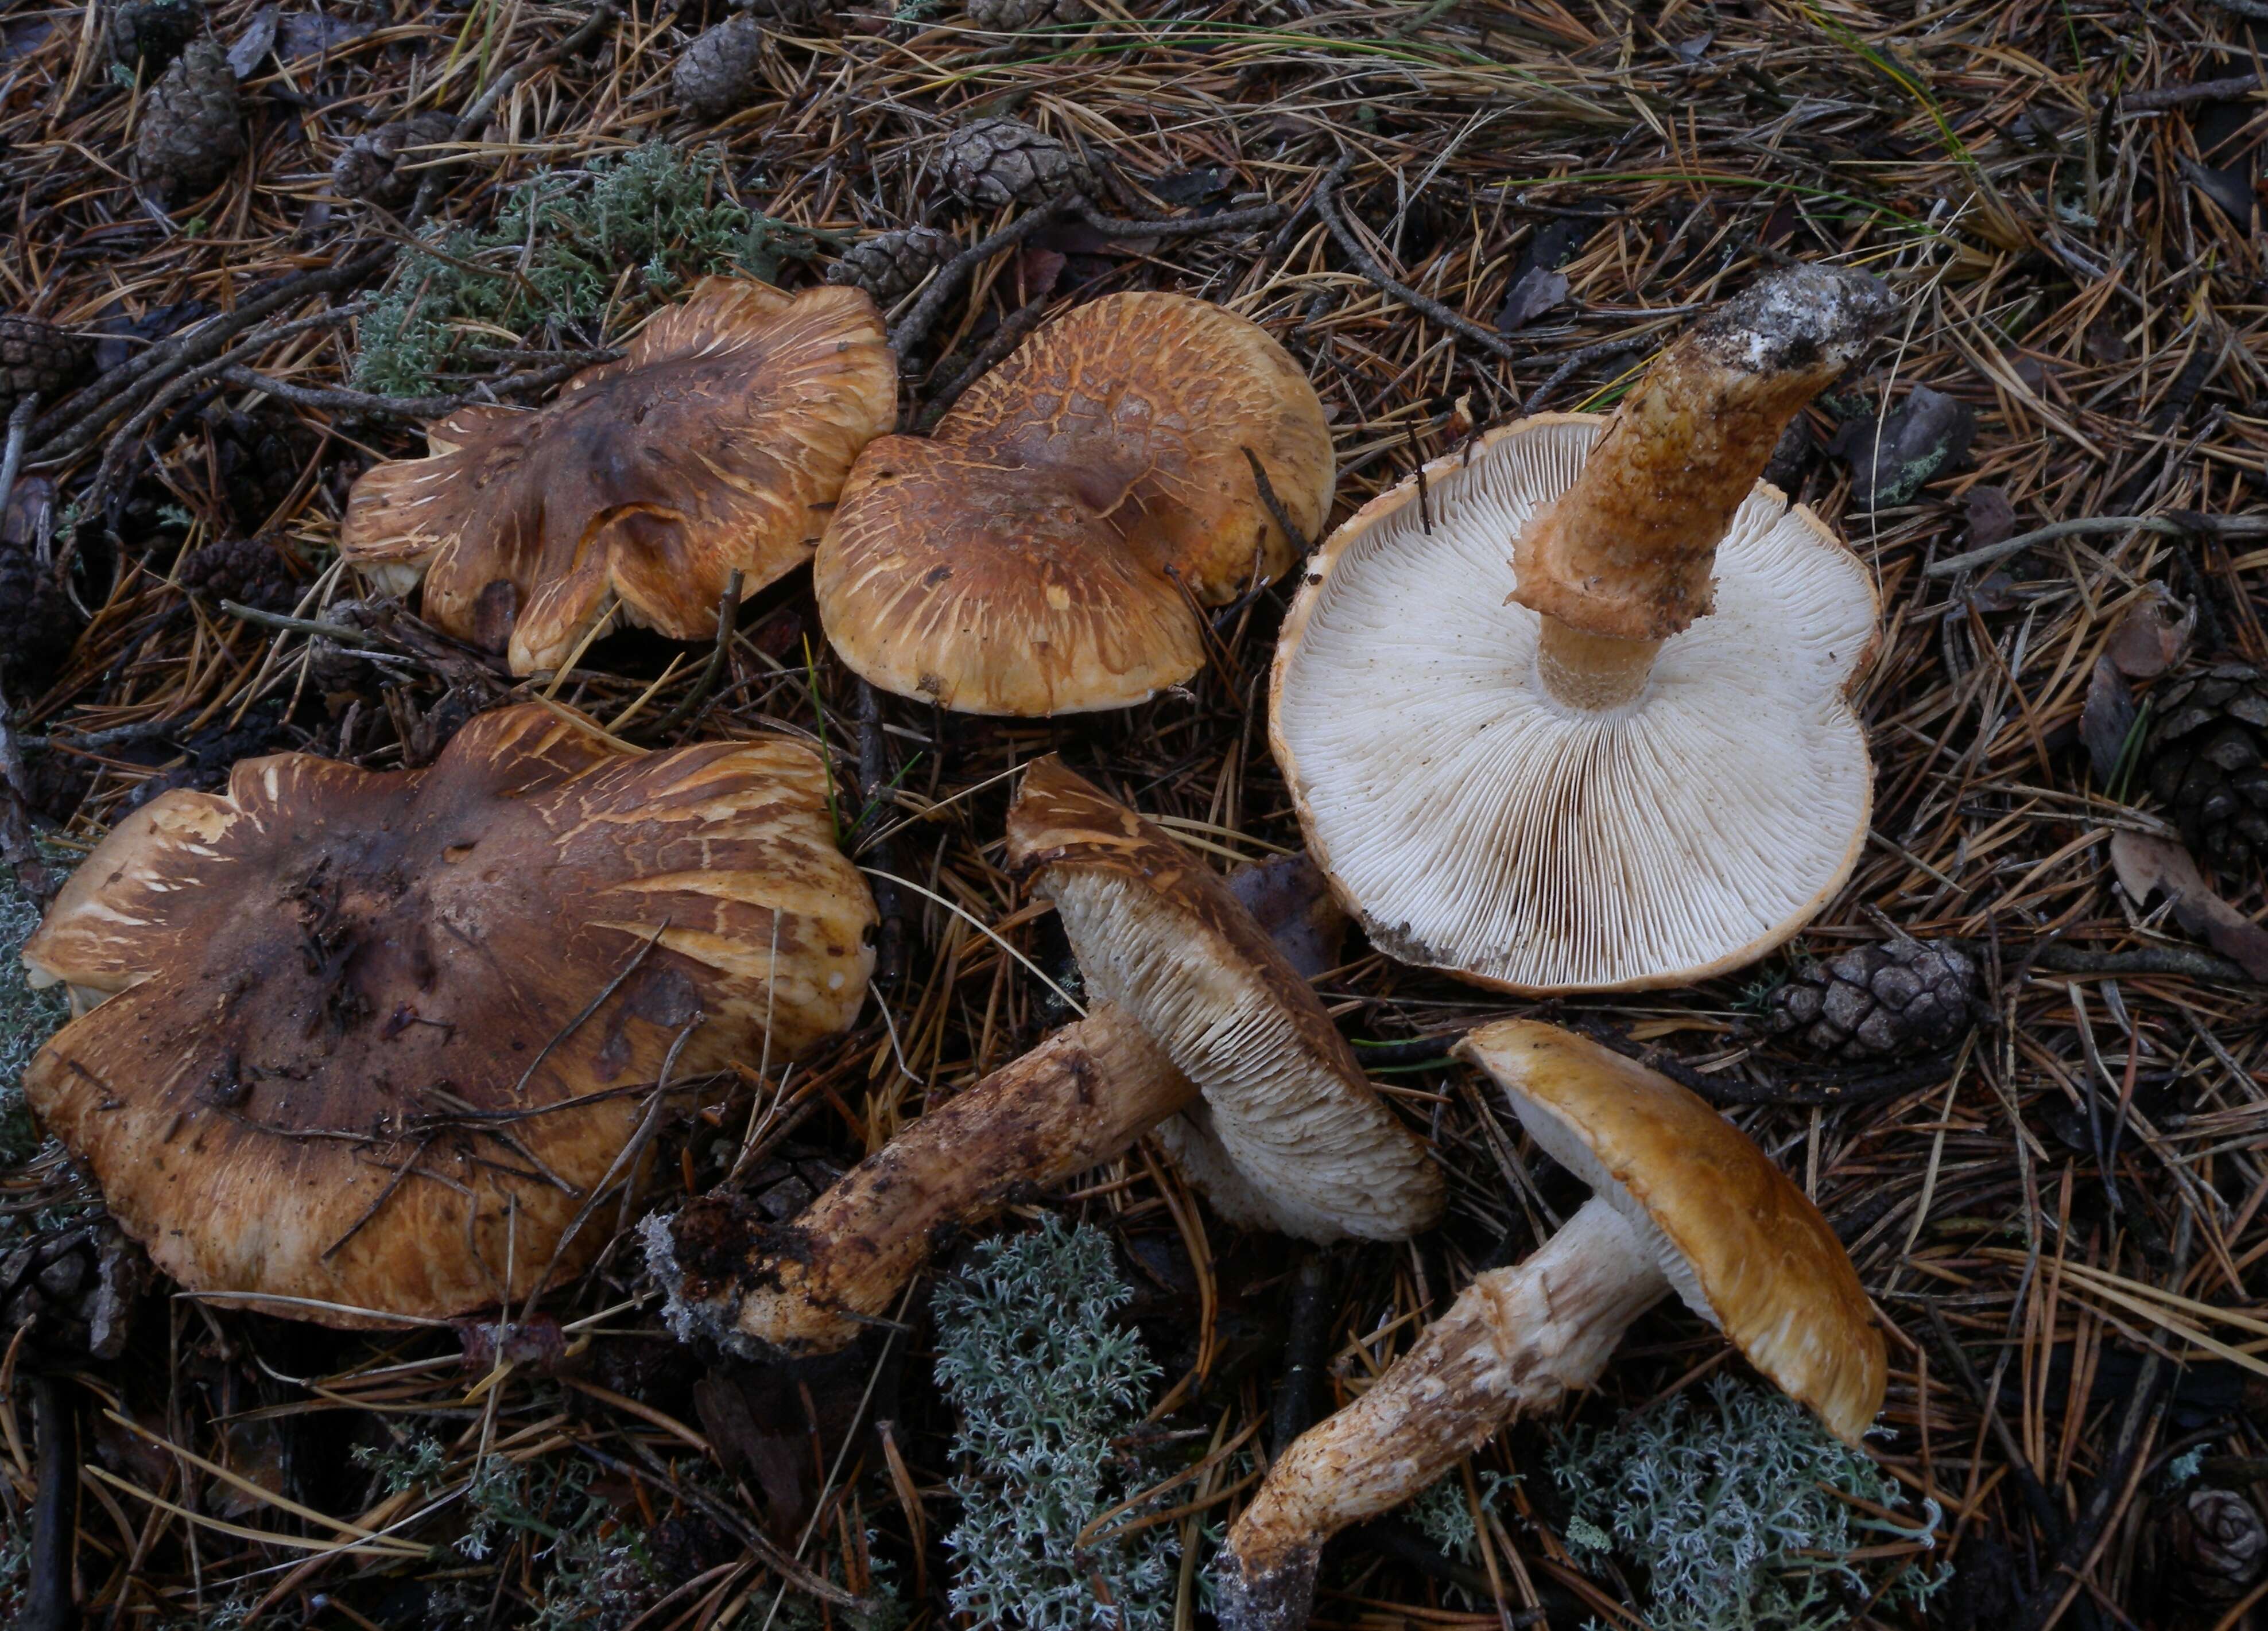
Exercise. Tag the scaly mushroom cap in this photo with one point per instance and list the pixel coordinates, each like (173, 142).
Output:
(1745, 1247)
(1048, 549)
(336, 1053)
(717, 441)
(1287, 1109)
(1473, 824)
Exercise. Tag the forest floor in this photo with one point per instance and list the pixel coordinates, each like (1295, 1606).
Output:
(1489, 207)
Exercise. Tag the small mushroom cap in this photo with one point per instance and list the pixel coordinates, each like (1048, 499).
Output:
(319, 995)
(717, 441)
(1473, 824)
(1744, 1247)
(1286, 1110)
(1040, 553)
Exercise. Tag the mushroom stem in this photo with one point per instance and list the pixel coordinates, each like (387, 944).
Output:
(1516, 1342)
(1623, 555)
(1079, 1098)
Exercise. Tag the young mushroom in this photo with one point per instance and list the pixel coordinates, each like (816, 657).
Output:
(1196, 1017)
(362, 1044)
(1052, 547)
(1681, 1199)
(1532, 740)
(716, 444)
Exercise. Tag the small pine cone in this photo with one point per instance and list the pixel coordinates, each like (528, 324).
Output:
(1015, 16)
(192, 125)
(890, 266)
(993, 162)
(38, 624)
(369, 168)
(260, 456)
(2212, 1546)
(150, 33)
(71, 1290)
(1904, 996)
(245, 570)
(37, 359)
(717, 74)
(2207, 762)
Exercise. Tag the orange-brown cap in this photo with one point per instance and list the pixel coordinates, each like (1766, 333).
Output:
(1290, 1134)
(716, 443)
(1049, 549)
(1745, 1247)
(337, 1044)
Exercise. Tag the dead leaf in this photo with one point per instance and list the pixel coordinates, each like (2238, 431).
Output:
(2106, 720)
(1991, 518)
(256, 42)
(1291, 901)
(2151, 635)
(2148, 866)
(1531, 294)
(1925, 437)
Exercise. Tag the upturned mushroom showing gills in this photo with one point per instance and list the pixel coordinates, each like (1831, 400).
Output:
(1052, 546)
(1572, 711)
(716, 444)
(1197, 1020)
(361, 1045)
(1681, 1199)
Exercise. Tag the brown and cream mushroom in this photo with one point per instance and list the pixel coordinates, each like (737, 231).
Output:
(1197, 1019)
(362, 1044)
(1681, 1199)
(1052, 547)
(1572, 711)
(716, 444)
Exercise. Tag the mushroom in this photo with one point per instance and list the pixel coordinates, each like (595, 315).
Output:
(1680, 1200)
(716, 444)
(362, 1044)
(1198, 1018)
(1530, 739)
(1051, 548)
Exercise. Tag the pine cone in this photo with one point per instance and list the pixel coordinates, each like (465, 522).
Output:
(368, 168)
(37, 359)
(246, 570)
(891, 265)
(2205, 761)
(150, 33)
(74, 1288)
(717, 74)
(1014, 15)
(1902, 996)
(38, 623)
(192, 128)
(2213, 1548)
(260, 456)
(993, 162)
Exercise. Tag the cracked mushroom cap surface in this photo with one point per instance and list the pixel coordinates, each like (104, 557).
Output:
(1290, 1134)
(1049, 548)
(717, 441)
(1744, 1245)
(1472, 823)
(328, 1045)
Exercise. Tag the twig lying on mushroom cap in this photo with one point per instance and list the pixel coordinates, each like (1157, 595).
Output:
(1682, 1200)
(1199, 1014)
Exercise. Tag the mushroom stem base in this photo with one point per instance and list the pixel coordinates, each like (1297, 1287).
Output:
(1515, 1342)
(1594, 671)
(1079, 1098)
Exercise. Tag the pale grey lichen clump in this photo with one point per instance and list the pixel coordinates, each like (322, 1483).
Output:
(27, 1019)
(1728, 1509)
(1044, 1382)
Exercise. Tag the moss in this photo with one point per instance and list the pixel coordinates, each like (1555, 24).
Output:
(611, 239)
(1729, 1510)
(1047, 1383)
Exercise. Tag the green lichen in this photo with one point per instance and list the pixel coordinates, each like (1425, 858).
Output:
(1728, 1508)
(1047, 1384)
(569, 247)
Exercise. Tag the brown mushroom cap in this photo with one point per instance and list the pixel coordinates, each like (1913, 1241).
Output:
(1286, 1105)
(1040, 553)
(717, 442)
(336, 1053)
(1744, 1245)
